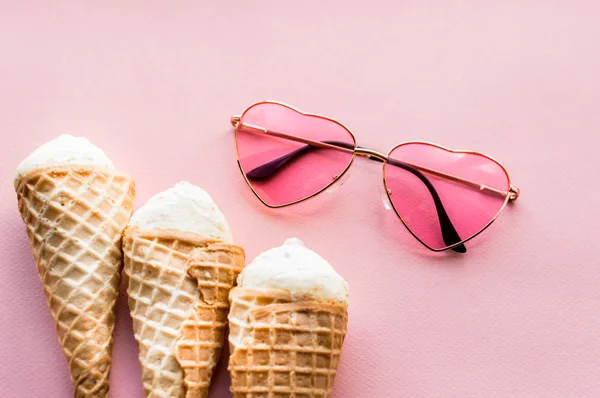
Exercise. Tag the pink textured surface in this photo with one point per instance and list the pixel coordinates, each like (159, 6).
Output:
(154, 85)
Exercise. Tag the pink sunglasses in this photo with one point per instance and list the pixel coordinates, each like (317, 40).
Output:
(442, 196)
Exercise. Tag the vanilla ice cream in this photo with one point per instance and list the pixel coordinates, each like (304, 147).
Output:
(66, 149)
(298, 270)
(185, 207)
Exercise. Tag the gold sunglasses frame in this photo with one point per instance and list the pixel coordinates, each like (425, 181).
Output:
(511, 195)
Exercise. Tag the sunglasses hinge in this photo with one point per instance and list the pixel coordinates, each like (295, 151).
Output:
(513, 193)
(235, 120)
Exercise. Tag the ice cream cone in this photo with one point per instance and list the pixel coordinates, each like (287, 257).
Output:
(283, 348)
(286, 337)
(75, 216)
(178, 284)
(178, 287)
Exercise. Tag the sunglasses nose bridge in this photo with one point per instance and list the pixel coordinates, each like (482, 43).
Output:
(370, 154)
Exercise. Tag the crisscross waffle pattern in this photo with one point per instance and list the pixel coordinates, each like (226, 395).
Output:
(178, 287)
(75, 216)
(281, 348)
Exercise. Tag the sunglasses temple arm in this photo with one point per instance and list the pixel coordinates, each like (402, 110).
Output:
(271, 168)
(449, 233)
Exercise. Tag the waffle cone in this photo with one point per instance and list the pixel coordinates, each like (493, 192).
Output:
(75, 216)
(283, 348)
(178, 287)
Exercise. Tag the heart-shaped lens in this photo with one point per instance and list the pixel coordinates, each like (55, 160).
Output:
(444, 197)
(287, 156)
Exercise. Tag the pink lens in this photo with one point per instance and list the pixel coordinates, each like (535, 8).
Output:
(282, 170)
(444, 197)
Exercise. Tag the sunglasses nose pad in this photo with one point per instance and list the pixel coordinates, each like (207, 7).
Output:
(338, 183)
(384, 197)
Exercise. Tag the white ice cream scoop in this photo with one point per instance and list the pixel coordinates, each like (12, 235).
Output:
(64, 150)
(185, 207)
(294, 268)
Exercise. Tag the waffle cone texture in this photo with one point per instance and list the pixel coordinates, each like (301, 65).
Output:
(282, 347)
(178, 287)
(75, 217)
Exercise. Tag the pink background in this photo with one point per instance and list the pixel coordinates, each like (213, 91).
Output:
(154, 86)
